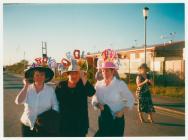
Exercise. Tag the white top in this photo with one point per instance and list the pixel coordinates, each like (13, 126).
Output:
(37, 103)
(116, 95)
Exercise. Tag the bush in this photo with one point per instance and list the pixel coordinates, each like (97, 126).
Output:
(171, 91)
(17, 68)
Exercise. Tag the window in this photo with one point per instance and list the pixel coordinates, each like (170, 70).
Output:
(132, 56)
(137, 55)
(142, 55)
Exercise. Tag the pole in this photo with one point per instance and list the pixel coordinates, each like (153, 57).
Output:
(24, 61)
(42, 48)
(46, 49)
(145, 39)
(129, 69)
(93, 67)
(153, 69)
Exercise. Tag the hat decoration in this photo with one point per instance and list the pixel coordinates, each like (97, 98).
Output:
(41, 64)
(109, 59)
(74, 62)
(44, 62)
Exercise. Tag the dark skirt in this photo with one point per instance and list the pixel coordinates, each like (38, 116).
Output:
(113, 129)
(145, 103)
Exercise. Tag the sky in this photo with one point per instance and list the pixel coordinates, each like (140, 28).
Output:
(88, 27)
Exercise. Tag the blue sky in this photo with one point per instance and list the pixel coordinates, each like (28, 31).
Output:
(88, 27)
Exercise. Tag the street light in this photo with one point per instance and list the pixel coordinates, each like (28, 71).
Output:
(145, 14)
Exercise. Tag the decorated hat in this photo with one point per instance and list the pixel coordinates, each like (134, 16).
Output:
(39, 66)
(74, 62)
(109, 59)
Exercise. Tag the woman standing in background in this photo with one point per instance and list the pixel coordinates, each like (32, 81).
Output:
(145, 104)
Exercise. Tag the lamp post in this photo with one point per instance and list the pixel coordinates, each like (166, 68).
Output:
(24, 61)
(145, 14)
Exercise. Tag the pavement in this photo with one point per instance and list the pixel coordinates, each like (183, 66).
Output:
(169, 117)
(174, 105)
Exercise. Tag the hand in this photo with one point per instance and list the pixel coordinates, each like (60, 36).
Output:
(146, 81)
(83, 76)
(26, 83)
(150, 81)
(100, 106)
(119, 114)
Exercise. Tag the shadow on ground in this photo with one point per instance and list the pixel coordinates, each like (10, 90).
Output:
(170, 105)
(169, 124)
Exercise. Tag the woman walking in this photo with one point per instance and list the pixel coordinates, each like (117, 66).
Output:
(72, 95)
(37, 98)
(113, 98)
(145, 104)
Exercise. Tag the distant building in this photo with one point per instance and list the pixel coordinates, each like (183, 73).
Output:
(161, 58)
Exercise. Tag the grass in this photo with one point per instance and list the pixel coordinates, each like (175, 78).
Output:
(170, 91)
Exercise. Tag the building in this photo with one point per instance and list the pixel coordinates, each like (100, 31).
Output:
(161, 58)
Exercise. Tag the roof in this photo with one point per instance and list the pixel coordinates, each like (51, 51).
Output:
(174, 45)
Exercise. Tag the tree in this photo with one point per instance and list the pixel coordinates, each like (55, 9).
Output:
(17, 68)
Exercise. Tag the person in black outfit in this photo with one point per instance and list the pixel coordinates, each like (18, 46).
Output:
(72, 96)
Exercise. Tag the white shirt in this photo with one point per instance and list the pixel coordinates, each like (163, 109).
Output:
(116, 95)
(37, 103)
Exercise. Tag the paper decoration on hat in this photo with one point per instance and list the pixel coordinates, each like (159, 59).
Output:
(99, 62)
(45, 62)
(74, 60)
(34, 65)
(52, 62)
(83, 54)
(83, 64)
(65, 62)
(69, 56)
(76, 54)
(60, 67)
(41, 61)
(109, 55)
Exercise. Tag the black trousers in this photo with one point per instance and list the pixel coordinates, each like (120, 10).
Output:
(26, 132)
(114, 128)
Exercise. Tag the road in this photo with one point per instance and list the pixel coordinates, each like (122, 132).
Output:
(166, 123)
